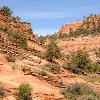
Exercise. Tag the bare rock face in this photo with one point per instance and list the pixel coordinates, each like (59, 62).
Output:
(70, 27)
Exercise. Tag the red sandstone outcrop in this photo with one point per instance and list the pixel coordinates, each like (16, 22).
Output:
(70, 27)
(20, 27)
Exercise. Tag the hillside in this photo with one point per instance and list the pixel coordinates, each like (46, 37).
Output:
(89, 25)
(23, 59)
(69, 27)
(10, 28)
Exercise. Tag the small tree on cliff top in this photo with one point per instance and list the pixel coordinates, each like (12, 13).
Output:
(6, 11)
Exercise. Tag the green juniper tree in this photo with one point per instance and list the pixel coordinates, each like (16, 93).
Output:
(6, 11)
(53, 51)
(79, 62)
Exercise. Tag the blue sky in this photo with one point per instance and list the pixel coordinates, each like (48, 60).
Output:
(47, 16)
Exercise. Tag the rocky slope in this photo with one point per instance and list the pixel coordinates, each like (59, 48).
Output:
(89, 23)
(28, 65)
(23, 33)
(84, 35)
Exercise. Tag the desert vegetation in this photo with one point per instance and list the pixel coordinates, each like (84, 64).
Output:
(6, 11)
(78, 62)
(79, 91)
(54, 68)
(53, 51)
(41, 62)
(90, 26)
(19, 39)
(2, 92)
(10, 57)
(24, 92)
(4, 27)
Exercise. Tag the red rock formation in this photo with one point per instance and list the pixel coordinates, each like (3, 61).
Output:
(71, 26)
(20, 27)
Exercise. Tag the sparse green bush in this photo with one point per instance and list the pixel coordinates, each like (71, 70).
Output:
(24, 92)
(77, 91)
(4, 27)
(10, 57)
(6, 11)
(16, 18)
(19, 39)
(42, 73)
(2, 92)
(62, 36)
(52, 37)
(42, 39)
(95, 96)
(66, 65)
(25, 68)
(97, 52)
(95, 67)
(50, 78)
(53, 51)
(79, 62)
(52, 67)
